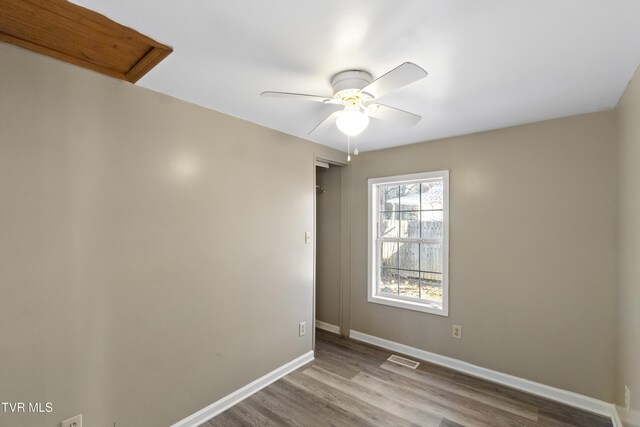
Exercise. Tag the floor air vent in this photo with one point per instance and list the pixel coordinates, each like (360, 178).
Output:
(402, 361)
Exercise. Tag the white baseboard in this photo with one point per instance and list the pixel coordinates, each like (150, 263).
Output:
(563, 396)
(239, 395)
(327, 327)
(615, 417)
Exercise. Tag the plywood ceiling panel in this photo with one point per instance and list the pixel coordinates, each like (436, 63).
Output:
(79, 36)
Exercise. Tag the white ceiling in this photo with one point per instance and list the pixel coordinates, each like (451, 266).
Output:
(491, 63)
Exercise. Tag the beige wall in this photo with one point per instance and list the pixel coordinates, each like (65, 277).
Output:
(152, 255)
(328, 244)
(532, 275)
(628, 344)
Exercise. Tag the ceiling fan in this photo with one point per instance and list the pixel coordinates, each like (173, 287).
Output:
(355, 91)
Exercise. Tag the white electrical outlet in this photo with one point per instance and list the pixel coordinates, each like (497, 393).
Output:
(72, 422)
(456, 332)
(302, 329)
(307, 237)
(627, 398)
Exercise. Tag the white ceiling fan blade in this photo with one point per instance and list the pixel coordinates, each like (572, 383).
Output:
(393, 115)
(326, 123)
(400, 76)
(299, 96)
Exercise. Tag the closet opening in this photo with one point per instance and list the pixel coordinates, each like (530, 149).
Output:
(331, 250)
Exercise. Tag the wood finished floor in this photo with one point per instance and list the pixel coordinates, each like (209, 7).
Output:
(352, 383)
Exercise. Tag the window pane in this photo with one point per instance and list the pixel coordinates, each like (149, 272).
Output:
(409, 283)
(389, 224)
(410, 224)
(430, 257)
(431, 286)
(389, 254)
(389, 197)
(431, 224)
(432, 194)
(410, 197)
(409, 256)
(388, 283)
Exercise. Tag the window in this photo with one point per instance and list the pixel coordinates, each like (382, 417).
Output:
(408, 241)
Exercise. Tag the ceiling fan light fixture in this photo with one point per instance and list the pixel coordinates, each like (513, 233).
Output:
(355, 89)
(352, 121)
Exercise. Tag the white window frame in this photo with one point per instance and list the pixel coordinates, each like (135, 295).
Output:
(372, 207)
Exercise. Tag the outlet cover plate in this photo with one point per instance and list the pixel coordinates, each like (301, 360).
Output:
(456, 332)
(72, 422)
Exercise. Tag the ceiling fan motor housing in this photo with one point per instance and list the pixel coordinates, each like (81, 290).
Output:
(348, 84)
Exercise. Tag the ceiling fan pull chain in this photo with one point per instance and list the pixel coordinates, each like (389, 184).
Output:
(348, 148)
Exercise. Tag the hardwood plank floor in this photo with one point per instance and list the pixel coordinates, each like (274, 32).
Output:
(352, 383)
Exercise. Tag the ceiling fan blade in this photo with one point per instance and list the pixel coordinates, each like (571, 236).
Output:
(400, 76)
(299, 96)
(326, 123)
(393, 115)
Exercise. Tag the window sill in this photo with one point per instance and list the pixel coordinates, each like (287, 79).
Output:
(409, 305)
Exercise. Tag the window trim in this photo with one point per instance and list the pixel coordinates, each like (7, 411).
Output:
(399, 301)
